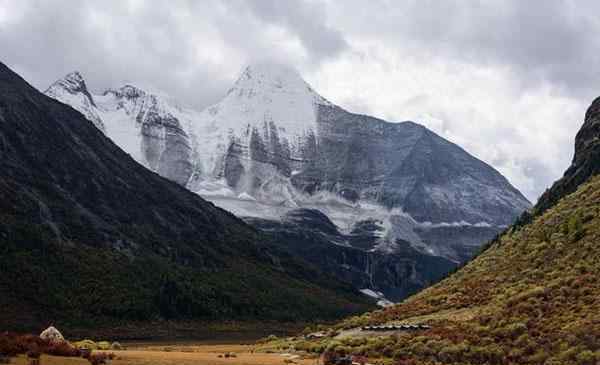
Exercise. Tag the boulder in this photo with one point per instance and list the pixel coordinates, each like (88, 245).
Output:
(52, 335)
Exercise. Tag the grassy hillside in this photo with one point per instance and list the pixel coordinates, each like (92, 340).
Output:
(532, 298)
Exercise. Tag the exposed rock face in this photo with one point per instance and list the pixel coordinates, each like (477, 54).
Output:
(586, 161)
(310, 234)
(406, 165)
(52, 335)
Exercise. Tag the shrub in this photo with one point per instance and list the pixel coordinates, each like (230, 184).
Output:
(539, 357)
(587, 358)
(86, 344)
(62, 349)
(100, 358)
(103, 345)
(405, 361)
(34, 352)
(8, 346)
(329, 357)
(362, 360)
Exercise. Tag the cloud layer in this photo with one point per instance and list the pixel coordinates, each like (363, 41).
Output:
(507, 80)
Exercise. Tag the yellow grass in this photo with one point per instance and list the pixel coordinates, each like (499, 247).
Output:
(179, 355)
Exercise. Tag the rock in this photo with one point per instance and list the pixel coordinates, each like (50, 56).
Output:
(51, 334)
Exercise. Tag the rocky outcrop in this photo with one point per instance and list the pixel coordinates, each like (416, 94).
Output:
(52, 335)
(586, 161)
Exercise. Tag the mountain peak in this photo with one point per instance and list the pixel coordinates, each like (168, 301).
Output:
(72, 90)
(75, 76)
(270, 71)
(268, 79)
(73, 83)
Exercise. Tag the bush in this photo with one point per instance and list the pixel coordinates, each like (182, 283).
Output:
(34, 352)
(103, 345)
(62, 349)
(405, 361)
(86, 344)
(100, 358)
(330, 357)
(587, 358)
(361, 360)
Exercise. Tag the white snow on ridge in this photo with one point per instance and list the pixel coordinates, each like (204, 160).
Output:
(454, 224)
(263, 93)
(382, 300)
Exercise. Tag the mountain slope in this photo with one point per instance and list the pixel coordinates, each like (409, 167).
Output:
(88, 235)
(531, 298)
(309, 234)
(273, 146)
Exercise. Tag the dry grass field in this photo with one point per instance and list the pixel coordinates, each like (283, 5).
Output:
(180, 355)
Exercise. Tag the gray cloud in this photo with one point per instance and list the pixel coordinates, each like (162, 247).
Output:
(190, 49)
(307, 20)
(540, 41)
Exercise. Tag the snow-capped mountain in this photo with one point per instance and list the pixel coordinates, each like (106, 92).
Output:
(146, 125)
(273, 145)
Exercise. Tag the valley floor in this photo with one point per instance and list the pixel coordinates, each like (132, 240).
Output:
(177, 354)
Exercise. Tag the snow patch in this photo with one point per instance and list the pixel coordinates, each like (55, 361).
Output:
(382, 301)
(246, 196)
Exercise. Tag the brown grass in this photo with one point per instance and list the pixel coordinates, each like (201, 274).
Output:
(178, 355)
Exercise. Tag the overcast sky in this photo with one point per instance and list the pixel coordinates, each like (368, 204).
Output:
(509, 81)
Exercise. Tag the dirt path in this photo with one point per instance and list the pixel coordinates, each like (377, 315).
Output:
(180, 355)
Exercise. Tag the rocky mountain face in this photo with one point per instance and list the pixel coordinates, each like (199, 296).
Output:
(88, 235)
(273, 145)
(586, 161)
(309, 234)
